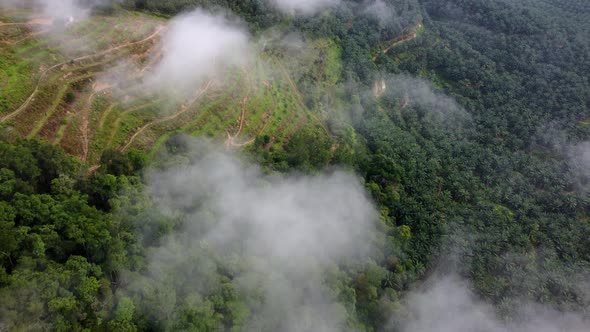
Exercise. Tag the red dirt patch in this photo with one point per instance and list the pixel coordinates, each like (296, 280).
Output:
(100, 86)
(40, 21)
(379, 88)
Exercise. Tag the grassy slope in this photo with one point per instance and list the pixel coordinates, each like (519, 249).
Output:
(66, 110)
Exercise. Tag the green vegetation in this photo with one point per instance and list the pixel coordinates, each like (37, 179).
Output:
(81, 66)
(462, 118)
(16, 81)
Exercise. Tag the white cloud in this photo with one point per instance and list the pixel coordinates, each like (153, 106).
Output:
(447, 305)
(283, 233)
(579, 162)
(58, 9)
(196, 47)
(305, 7)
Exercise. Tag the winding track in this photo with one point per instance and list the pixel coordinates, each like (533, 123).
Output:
(230, 138)
(120, 117)
(300, 100)
(33, 21)
(183, 109)
(84, 135)
(2, 24)
(104, 115)
(89, 56)
(398, 41)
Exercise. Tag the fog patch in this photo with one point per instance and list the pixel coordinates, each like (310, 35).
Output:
(382, 11)
(64, 11)
(295, 53)
(416, 97)
(579, 162)
(276, 237)
(576, 154)
(446, 304)
(196, 47)
(68, 10)
(304, 7)
(419, 92)
(55, 21)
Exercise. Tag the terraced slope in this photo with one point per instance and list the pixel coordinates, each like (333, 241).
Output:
(53, 85)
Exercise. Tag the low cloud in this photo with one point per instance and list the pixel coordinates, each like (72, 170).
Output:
(276, 238)
(402, 92)
(421, 92)
(67, 10)
(579, 162)
(199, 46)
(576, 154)
(64, 9)
(304, 7)
(380, 10)
(447, 304)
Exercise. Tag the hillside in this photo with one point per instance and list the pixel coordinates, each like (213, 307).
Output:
(58, 86)
(291, 165)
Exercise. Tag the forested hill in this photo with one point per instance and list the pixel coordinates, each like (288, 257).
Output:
(367, 165)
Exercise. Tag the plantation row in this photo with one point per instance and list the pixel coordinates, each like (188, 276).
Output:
(59, 87)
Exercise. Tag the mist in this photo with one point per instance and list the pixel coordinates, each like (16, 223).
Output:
(579, 162)
(422, 93)
(276, 237)
(446, 304)
(379, 9)
(199, 46)
(67, 10)
(576, 154)
(404, 93)
(305, 7)
(64, 9)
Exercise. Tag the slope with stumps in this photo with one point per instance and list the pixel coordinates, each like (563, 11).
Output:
(54, 84)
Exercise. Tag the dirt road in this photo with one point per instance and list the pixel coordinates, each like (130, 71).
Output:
(182, 110)
(89, 56)
(398, 41)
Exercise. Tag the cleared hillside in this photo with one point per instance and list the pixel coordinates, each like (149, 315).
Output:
(56, 84)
